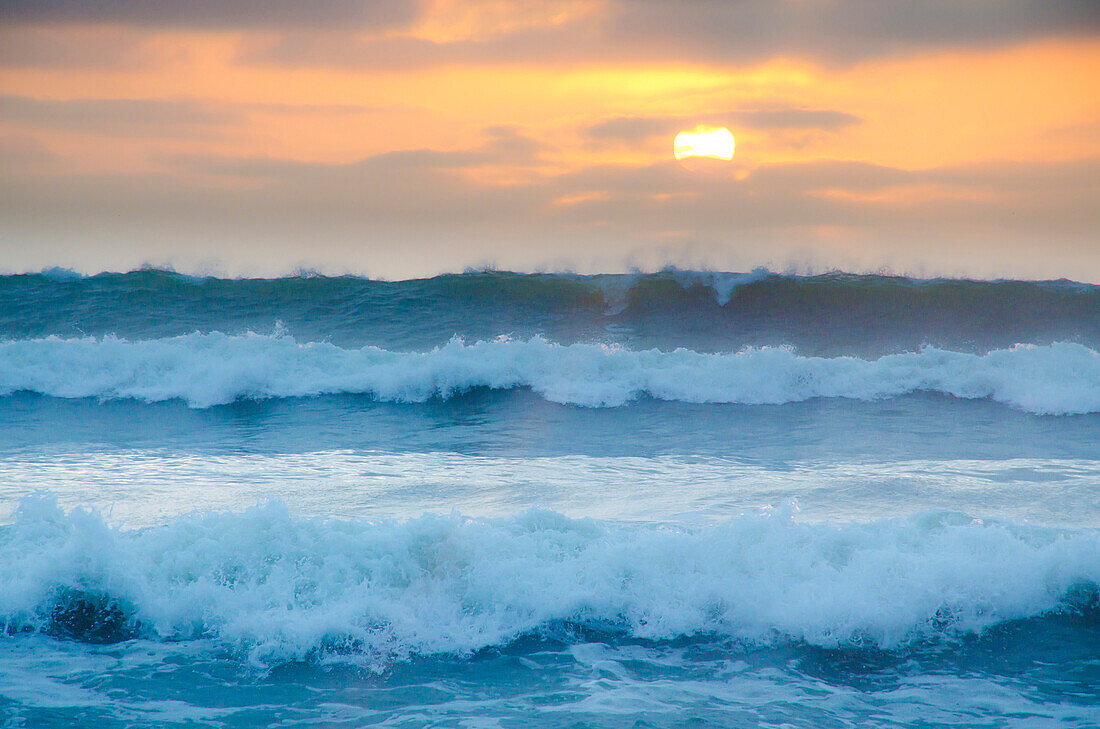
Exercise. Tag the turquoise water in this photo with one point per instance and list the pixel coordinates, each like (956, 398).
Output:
(679, 499)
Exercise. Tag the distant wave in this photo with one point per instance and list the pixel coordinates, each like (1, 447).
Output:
(278, 588)
(836, 313)
(614, 293)
(723, 283)
(211, 369)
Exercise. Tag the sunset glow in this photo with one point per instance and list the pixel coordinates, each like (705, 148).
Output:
(148, 113)
(704, 142)
(449, 363)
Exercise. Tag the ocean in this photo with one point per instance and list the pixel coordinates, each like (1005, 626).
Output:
(490, 499)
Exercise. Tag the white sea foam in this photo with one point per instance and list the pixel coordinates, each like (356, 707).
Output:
(211, 369)
(280, 588)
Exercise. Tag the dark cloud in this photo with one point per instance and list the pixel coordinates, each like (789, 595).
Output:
(504, 146)
(350, 50)
(824, 119)
(149, 117)
(638, 129)
(714, 31)
(22, 47)
(18, 151)
(508, 145)
(345, 33)
(844, 30)
(214, 14)
(635, 129)
(1087, 132)
(117, 116)
(400, 162)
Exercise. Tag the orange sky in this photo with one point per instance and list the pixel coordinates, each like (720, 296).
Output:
(535, 135)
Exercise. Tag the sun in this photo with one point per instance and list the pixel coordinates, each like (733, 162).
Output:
(704, 142)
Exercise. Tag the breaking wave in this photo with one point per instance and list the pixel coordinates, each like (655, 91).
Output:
(280, 588)
(210, 369)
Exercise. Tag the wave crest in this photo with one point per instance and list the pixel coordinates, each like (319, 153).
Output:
(282, 588)
(211, 369)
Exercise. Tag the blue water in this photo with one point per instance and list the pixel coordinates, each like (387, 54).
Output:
(492, 499)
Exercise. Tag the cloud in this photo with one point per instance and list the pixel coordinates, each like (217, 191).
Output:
(824, 119)
(22, 151)
(638, 129)
(635, 129)
(504, 146)
(53, 48)
(711, 31)
(382, 34)
(846, 30)
(122, 117)
(418, 212)
(159, 119)
(214, 14)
